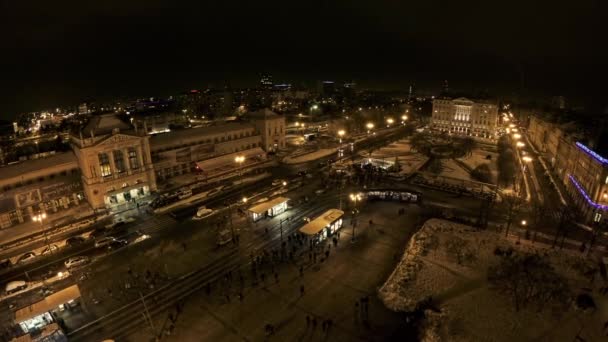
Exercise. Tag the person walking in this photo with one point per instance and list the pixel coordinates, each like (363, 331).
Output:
(356, 312)
(314, 323)
(301, 271)
(302, 291)
(307, 321)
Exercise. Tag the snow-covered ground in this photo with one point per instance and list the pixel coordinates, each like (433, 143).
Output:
(452, 169)
(409, 160)
(479, 157)
(473, 311)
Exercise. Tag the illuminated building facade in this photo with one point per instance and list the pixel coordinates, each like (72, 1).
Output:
(465, 117)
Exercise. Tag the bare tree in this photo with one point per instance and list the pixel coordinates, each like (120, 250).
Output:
(529, 279)
(460, 249)
(512, 205)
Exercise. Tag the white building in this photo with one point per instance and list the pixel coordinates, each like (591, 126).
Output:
(465, 117)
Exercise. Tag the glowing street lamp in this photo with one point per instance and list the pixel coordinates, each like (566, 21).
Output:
(516, 136)
(526, 159)
(520, 144)
(389, 122)
(524, 223)
(341, 134)
(284, 183)
(40, 218)
(403, 119)
(355, 198)
(369, 126)
(244, 199)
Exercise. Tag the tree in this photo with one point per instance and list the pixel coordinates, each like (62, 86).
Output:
(419, 142)
(506, 166)
(460, 249)
(512, 205)
(467, 145)
(435, 166)
(482, 173)
(529, 279)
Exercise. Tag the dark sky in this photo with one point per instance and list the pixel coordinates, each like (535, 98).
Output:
(61, 52)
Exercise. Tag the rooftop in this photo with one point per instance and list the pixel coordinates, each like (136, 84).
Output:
(25, 167)
(105, 124)
(179, 137)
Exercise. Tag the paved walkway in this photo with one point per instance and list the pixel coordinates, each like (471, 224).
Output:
(331, 289)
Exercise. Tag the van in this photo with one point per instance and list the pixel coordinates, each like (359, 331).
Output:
(15, 286)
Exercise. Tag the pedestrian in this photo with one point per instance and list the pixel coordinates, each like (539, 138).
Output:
(241, 297)
(314, 323)
(307, 321)
(301, 290)
(263, 276)
(276, 277)
(323, 325)
(330, 322)
(301, 271)
(356, 312)
(327, 254)
(227, 298)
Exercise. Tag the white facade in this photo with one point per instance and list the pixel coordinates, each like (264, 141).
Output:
(465, 117)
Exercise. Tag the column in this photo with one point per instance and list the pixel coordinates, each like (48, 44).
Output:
(112, 166)
(140, 156)
(125, 157)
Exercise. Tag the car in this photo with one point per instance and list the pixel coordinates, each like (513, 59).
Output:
(202, 213)
(16, 286)
(49, 249)
(116, 244)
(29, 256)
(75, 240)
(104, 241)
(76, 261)
(99, 232)
(141, 238)
(277, 182)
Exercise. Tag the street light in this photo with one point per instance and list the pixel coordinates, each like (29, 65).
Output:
(520, 144)
(284, 183)
(370, 126)
(389, 122)
(355, 198)
(40, 218)
(403, 119)
(516, 136)
(244, 199)
(526, 159)
(524, 223)
(341, 134)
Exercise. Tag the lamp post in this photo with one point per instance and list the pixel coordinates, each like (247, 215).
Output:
(355, 198)
(403, 119)
(239, 161)
(40, 218)
(389, 122)
(341, 134)
(370, 126)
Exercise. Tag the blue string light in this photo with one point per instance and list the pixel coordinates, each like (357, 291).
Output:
(592, 153)
(582, 191)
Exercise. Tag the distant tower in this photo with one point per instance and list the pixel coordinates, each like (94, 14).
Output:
(266, 81)
(411, 92)
(446, 87)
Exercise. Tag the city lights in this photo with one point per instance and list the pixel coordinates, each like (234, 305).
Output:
(526, 159)
(516, 136)
(389, 121)
(520, 144)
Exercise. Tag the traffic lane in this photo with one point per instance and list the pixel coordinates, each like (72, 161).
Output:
(40, 242)
(63, 252)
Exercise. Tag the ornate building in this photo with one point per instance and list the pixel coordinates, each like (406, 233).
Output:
(114, 161)
(465, 117)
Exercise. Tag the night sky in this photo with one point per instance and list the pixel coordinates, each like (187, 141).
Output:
(62, 52)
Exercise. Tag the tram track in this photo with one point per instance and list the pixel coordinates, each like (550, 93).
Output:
(128, 318)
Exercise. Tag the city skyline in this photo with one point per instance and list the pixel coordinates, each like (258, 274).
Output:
(66, 54)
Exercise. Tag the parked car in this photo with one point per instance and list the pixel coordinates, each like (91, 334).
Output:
(50, 249)
(5, 264)
(29, 256)
(116, 244)
(16, 286)
(76, 261)
(75, 240)
(103, 242)
(202, 213)
(99, 232)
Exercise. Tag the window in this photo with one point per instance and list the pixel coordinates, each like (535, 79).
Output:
(119, 161)
(133, 161)
(104, 165)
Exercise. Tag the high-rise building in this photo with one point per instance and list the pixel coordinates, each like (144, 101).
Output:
(266, 81)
